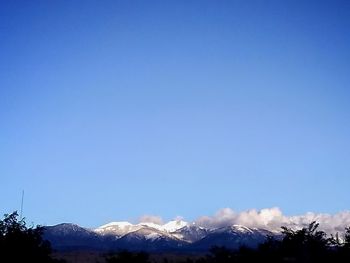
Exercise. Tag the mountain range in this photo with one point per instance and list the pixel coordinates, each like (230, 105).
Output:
(174, 236)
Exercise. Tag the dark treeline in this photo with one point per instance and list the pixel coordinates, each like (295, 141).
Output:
(306, 245)
(19, 243)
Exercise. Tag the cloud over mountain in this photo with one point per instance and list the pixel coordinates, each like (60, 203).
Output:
(151, 219)
(272, 219)
(268, 218)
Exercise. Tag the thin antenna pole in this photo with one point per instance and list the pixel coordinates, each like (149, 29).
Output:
(22, 205)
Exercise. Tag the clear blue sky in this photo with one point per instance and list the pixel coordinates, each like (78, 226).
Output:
(114, 109)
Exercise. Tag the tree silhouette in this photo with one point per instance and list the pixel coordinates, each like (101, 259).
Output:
(18, 243)
(305, 245)
(343, 248)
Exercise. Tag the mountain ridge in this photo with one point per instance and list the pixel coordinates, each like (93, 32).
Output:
(175, 235)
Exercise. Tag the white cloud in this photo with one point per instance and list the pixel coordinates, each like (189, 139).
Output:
(151, 219)
(179, 218)
(273, 218)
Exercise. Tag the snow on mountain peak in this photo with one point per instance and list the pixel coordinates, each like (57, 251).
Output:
(122, 228)
(174, 225)
(177, 228)
(117, 228)
(241, 228)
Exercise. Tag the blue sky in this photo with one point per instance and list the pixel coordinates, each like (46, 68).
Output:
(110, 110)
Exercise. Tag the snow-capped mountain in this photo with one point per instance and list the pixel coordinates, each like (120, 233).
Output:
(174, 225)
(175, 235)
(117, 229)
(191, 233)
(149, 239)
(122, 228)
(233, 237)
(70, 237)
